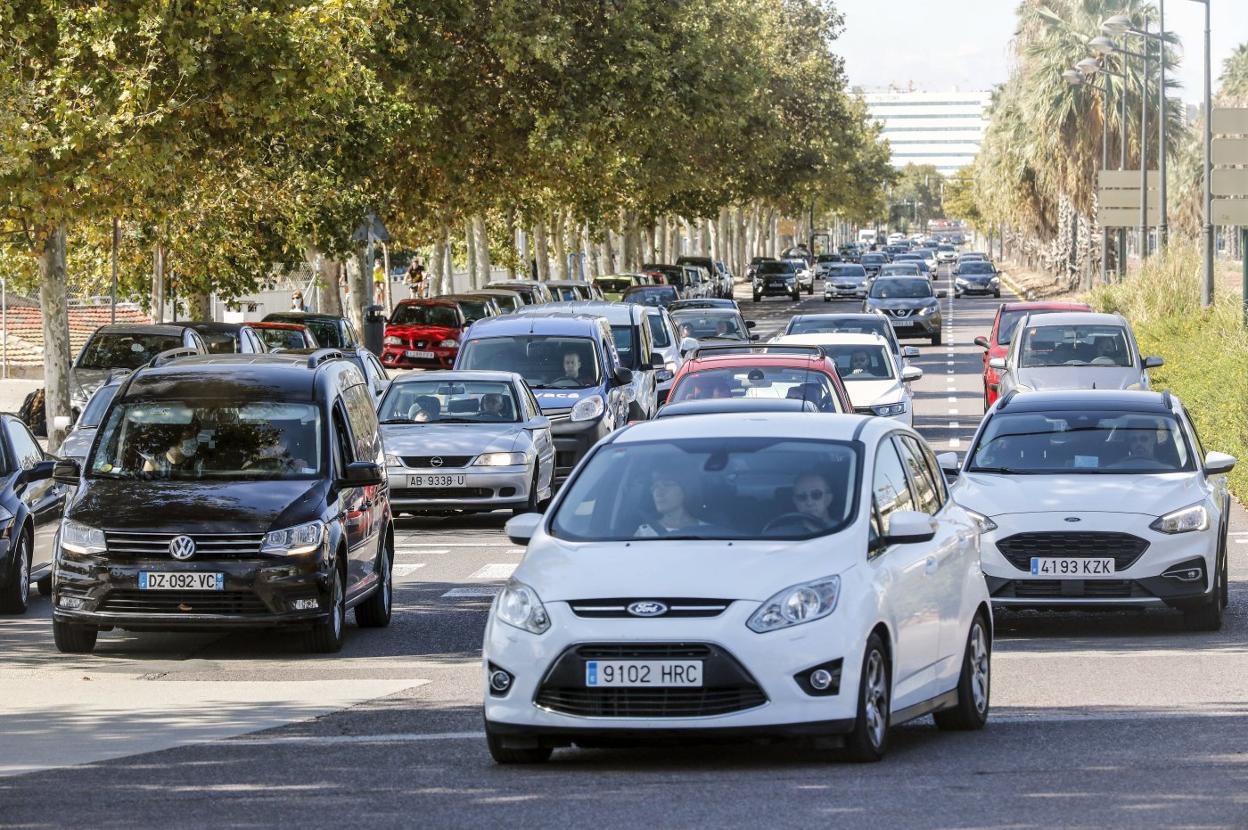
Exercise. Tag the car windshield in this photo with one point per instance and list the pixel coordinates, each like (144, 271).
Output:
(768, 382)
(776, 268)
(901, 288)
(975, 267)
(825, 325)
(1081, 442)
(874, 259)
(506, 302)
(828, 258)
(856, 363)
(453, 402)
(948, 249)
(220, 342)
(1074, 346)
(473, 310)
(658, 331)
(326, 331)
(419, 314)
(200, 440)
(904, 269)
(655, 296)
(1011, 319)
(99, 402)
(125, 351)
(843, 271)
(564, 293)
(283, 338)
(709, 324)
(696, 488)
(614, 286)
(545, 362)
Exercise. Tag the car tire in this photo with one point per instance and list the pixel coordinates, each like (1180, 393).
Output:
(15, 595)
(326, 636)
(74, 638)
(868, 741)
(1208, 617)
(531, 505)
(45, 586)
(758, 298)
(810, 290)
(997, 294)
(514, 755)
(936, 339)
(375, 611)
(974, 683)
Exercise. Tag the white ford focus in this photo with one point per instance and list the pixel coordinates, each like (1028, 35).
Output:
(761, 582)
(1098, 499)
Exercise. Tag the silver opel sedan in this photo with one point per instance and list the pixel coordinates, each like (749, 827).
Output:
(465, 440)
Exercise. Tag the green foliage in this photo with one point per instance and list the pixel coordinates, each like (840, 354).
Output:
(960, 198)
(1205, 350)
(1234, 78)
(915, 196)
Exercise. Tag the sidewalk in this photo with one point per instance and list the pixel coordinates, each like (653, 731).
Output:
(13, 392)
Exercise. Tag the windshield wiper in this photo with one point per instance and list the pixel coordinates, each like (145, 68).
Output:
(995, 470)
(399, 421)
(458, 421)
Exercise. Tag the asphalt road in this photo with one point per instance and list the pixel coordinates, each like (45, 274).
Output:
(1098, 719)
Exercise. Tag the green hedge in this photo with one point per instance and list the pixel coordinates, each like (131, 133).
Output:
(1206, 350)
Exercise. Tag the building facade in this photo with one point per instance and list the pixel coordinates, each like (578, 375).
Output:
(943, 129)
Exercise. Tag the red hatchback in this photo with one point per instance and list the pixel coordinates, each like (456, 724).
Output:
(426, 333)
(771, 371)
(998, 343)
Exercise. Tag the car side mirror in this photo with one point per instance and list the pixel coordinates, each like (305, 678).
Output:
(911, 374)
(61, 422)
(1219, 463)
(520, 529)
(663, 375)
(362, 474)
(909, 527)
(997, 363)
(948, 463)
(537, 422)
(1154, 362)
(657, 361)
(66, 471)
(39, 471)
(622, 376)
(688, 345)
(982, 342)
(910, 351)
(749, 324)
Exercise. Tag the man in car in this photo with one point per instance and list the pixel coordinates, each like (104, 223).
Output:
(859, 363)
(492, 407)
(812, 497)
(572, 370)
(425, 409)
(275, 456)
(179, 455)
(705, 388)
(813, 392)
(670, 495)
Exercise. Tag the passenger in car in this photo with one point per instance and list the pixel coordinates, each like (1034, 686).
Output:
(670, 494)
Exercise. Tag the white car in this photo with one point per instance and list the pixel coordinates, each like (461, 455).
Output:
(1101, 499)
(875, 384)
(796, 574)
(805, 274)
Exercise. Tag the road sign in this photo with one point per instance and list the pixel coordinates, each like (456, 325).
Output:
(1227, 151)
(1118, 198)
(1230, 212)
(1230, 182)
(1126, 217)
(373, 227)
(1228, 121)
(1126, 179)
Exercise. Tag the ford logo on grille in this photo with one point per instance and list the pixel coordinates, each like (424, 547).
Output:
(435, 462)
(1072, 519)
(181, 547)
(647, 609)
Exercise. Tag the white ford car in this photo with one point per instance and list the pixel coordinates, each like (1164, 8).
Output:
(875, 384)
(1099, 499)
(795, 574)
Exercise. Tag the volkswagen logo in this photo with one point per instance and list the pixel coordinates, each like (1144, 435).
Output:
(647, 609)
(435, 462)
(181, 547)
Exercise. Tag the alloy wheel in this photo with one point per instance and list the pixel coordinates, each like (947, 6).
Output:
(23, 570)
(980, 667)
(875, 692)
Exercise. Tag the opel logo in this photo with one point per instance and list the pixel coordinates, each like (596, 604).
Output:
(181, 547)
(647, 609)
(435, 462)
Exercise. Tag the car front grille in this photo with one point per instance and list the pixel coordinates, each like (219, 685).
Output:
(441, 492)
(183, 602)
(1042, 589)
(436, 462)
(207, 545)
(676, 607)
(900, 312)
(1123, 547)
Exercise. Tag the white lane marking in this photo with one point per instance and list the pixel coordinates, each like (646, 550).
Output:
(954, 443)
(408, 570)
(404, 549)
(955, 425)
(473, 591)
(495, 570)
(952, 399)
(1076, 716)
(950, 362)
(386, 738)
(953, 411)
(1241, 541)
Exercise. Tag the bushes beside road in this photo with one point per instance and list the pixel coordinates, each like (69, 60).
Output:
(1206, 351)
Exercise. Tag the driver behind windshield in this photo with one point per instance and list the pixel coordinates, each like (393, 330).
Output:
(572, 370)
(812, 497)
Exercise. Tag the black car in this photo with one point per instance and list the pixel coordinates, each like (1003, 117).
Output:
(330, 330)
(124, 346)
(712, 267)
(910, 303)
(777, 276)
(230, 338)
(976, 278)
(873, 262)
(31, 505)
(751, 270)
(224, 493)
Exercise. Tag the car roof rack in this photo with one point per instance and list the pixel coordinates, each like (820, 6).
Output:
(171, 355)
(760, 348)
(321, 355)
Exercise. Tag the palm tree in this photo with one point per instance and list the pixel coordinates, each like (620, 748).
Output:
(1234, 78)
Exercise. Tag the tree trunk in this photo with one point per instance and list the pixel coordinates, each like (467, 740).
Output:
(54, 300)
(359, 289)
(481, 241)
(437, 266)
(470, 248)
(199, 305)
(742, 260)
(448, 262)
(591, 254)
(158, 284)
(561, 247)
(541, 251)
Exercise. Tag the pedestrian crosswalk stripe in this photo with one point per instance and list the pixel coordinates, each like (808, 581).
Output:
(407, 570)
(495, 570)
(473, 591)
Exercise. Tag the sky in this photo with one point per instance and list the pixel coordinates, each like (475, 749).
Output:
(965, 44)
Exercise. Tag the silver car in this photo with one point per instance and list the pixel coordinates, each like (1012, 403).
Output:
(79, 439)
(1079, 350)
(465, 440)
(666, 344)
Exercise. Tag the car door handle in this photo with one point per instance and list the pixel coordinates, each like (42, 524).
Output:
(931, 565)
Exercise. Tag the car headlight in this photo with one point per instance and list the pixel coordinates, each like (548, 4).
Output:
(888, 410)
(1195, 517)
(994, 279)
(797, 604)
(923, 312)
(394, 461)
(587, 409)
(449, 344)
(960, 281)
(292, 541)
(519, 606)
(985, 524)
(499, 459)
(81, 539)
(393, 341)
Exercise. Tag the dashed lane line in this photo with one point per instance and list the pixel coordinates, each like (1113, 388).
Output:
(495, 570)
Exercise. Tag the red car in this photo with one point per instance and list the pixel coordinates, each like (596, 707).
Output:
(802, 372)
(998, 343)
(426, 333)
(285, 336)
